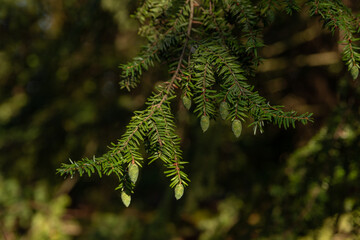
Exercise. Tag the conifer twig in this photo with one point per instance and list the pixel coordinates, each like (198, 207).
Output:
(212, 55)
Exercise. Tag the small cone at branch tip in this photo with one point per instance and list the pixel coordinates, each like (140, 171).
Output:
(186, 102)
(126, 199)
(236, 127)
(133, 172)
(354, 72)
(224, 110)
(179, 191)
(204, 122)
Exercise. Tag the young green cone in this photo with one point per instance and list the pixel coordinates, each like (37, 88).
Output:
(133, 172)
(186, 102)
(126, 199)
(224, 110)
(236, 127)
(354, 72)
(204, 122)
(179, 191)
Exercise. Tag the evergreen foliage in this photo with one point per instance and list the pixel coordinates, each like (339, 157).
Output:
(211, 48)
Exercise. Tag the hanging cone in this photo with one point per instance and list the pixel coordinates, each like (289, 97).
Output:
(224, 110)
(126, 199)
(236, 127)
(179, 191)
(186, 102)
(133, 172)
(204, 122)
(354, 72)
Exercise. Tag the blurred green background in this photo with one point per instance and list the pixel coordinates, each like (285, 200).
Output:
(60, 99)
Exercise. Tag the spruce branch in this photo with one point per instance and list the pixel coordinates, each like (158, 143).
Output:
(132, 71)
(211, 48)
(336, 16)
(155, 121)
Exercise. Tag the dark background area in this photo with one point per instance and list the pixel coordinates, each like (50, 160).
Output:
(60, 99)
